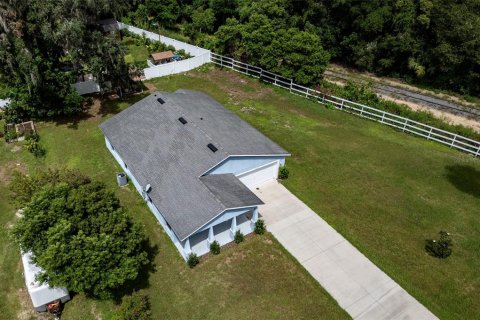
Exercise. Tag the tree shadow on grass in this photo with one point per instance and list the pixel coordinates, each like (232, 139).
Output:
(97, 106)
(464, 178)
(142, 280)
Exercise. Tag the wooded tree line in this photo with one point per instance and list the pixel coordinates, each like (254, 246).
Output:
(424, 41)
(45, 45)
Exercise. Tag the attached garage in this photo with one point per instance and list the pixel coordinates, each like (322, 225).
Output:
(260, 175)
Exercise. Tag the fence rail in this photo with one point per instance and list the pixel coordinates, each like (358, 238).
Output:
(450, 139)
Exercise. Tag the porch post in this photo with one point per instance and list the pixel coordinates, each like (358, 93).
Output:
(255, 215)
(211, 236)
(186, 247)
(233, 228)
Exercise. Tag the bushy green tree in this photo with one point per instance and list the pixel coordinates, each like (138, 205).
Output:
(431, 42)
(163, 12)
(79, 234)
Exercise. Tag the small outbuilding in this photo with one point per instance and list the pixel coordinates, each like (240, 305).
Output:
(162, 57)
(41, 294)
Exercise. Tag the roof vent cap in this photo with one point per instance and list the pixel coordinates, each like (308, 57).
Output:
(148, 188)
(212, 147)
(160, 100)
(182, 120)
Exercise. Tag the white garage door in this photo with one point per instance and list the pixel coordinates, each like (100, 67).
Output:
(257, 176)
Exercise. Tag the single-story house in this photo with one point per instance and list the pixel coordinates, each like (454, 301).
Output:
(41, 294)
(194, 163)
(162, 57)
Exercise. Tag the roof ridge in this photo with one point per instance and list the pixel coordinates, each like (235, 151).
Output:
(219, 146)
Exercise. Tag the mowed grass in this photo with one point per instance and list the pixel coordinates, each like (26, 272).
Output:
(256, 278)
(384, 190)
(136, 54)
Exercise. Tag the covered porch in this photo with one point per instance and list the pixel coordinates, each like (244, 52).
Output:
(221, 230)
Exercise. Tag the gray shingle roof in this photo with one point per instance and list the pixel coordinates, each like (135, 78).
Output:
(230, 191)
(161, 151)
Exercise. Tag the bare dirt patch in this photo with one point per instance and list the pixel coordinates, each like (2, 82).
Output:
(27, 312)
(150, 86)
(6, 171)
(233, 84)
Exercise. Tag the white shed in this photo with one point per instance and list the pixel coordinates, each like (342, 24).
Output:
(40, 293)
(4, 103)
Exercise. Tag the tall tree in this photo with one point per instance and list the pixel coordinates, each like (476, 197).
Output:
(43, 44)
(79, 234)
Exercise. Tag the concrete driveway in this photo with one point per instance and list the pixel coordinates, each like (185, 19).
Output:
(359, 287)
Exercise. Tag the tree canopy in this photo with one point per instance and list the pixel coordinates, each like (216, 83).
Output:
(45, 45)
(424, 41)
(78, 233)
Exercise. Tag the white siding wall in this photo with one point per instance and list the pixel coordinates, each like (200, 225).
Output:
(240, 164)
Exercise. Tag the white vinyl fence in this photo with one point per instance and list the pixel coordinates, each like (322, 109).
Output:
(406, 125)
(200, 55)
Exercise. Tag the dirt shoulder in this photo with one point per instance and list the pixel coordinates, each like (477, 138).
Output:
(448, 108)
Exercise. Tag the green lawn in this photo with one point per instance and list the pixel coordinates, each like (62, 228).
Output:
(136, 54)
(384, 190)
(257, 277)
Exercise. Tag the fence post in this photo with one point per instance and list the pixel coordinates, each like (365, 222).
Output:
(275, 81)
(383, 117)
(306, 94)
(361, 111)
(429, 134)
(453, 141)
(405, 125)
(341, 106)
(291, 85)
(478, 151)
